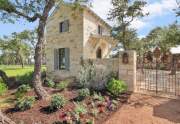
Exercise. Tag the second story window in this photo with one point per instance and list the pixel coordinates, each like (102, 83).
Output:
(100, 30)
(64, 26)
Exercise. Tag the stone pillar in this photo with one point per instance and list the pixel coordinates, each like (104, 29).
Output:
(127, 71)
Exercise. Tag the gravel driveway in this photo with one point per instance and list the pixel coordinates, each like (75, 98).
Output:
(143, 109)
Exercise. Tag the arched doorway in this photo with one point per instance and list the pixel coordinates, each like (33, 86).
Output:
(99, 53)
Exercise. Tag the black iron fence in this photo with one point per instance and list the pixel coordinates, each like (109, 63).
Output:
(157, 76)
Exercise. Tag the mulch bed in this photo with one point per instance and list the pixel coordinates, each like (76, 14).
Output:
(38, 113)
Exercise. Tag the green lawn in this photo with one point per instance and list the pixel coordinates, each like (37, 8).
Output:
(17, 70)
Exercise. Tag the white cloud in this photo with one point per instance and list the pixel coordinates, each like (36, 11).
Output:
(160, 8)
(141, 36)
(137, 24)
(102, 8)
(155, 9)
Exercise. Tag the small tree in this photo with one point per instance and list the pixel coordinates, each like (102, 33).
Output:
(124, 12)
(32, 10)
(16, 47)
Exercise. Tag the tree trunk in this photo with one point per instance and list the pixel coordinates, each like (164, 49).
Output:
(21, 60)
(4, 76)
(5, 120)
(40, 91)
(124, 37)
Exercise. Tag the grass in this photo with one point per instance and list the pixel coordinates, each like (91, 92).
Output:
(7, 99)
(17, 70)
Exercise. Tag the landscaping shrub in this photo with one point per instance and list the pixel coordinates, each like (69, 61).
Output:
(57, 102)
(24, 103)
(83, 93)
(94, 112)
(26, 78)
(22, 90)
(62, 85)
(87, 74)
(98, 97)
(3, 88)
(49, 83)
(80, 109)
(116, 87)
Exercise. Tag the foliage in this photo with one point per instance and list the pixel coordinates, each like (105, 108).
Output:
(16, 49)
(94, 112)
(62, 85)
(24, 103)
(26, 78)
(32, 11)
(87, 74)
(80, 108)
(98, 97)
(49, 83)
(90, 121)
(124, 12)
(57, 102)
(112, 105)
(164, 37)
(128, 40)
(3, 87)
(22, 90)
(116, 87)
(84, 93)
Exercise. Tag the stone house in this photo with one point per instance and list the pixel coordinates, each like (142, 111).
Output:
(73, 35)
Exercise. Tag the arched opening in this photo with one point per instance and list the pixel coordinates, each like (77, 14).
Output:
(99, 53)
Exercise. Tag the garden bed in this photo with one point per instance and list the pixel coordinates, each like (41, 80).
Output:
(39, 112)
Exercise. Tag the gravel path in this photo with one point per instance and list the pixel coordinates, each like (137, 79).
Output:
(143, 109)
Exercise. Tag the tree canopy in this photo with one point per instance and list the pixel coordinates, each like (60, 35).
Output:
(124, 12)
(17, 48)
(33, 10)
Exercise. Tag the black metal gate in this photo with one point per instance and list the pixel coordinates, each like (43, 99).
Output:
(158, 73)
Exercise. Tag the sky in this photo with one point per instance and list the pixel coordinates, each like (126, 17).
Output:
(160, 14)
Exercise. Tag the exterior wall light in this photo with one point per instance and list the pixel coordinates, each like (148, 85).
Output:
(125, 58)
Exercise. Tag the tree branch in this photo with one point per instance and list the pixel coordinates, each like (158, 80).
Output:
(11, 9)
(30, 19)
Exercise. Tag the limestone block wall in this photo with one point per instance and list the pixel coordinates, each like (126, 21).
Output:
(127, 72)
(104, 68)
(72, 40)
(91, 27)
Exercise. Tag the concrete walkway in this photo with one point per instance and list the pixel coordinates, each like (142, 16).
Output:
(143, 109)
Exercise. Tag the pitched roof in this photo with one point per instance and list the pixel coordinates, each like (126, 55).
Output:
(85, 8)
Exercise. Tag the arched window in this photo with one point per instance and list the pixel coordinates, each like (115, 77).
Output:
(99, 53)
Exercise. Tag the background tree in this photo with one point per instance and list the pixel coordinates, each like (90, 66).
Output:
(124, 12)
(131, 36)
(16, 49)
(164, 38)
(32, 10)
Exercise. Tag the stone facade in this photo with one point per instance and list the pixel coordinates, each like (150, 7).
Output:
(104, 69)
(127, 72)
(82, 39)
(72, 39)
